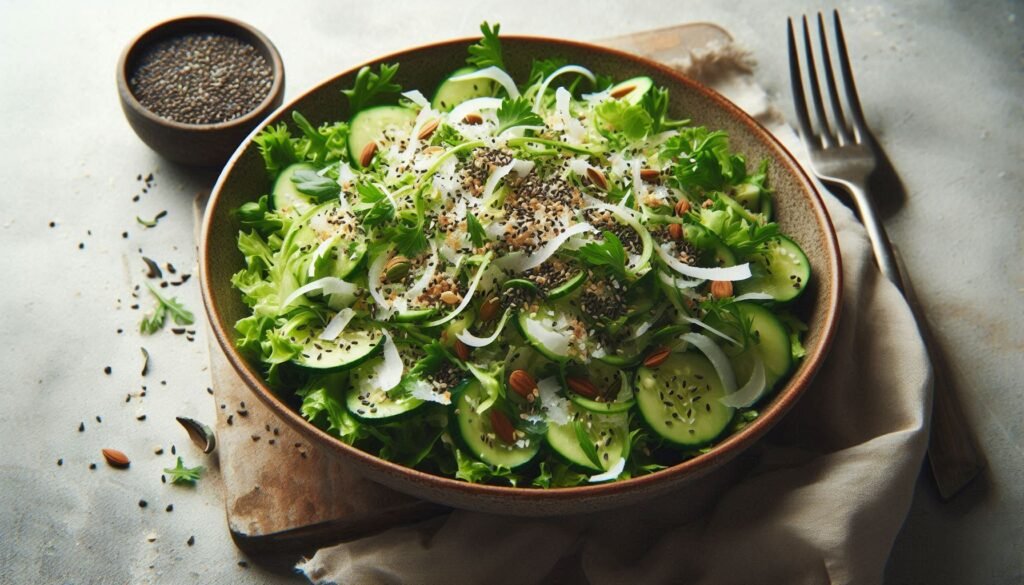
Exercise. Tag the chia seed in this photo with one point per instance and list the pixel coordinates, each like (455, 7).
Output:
(201, 78)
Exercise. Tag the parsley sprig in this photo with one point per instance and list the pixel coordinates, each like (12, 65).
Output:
(487, 51)
(181, 475)
(155, 321)
(609, 254)
(517, 112)
(369, 85)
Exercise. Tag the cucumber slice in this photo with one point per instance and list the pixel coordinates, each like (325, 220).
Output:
(769, 341)
(376, 124)
(369, 402)
(601, 407)
(749, 196)
(415, 315)
(351, 348)
(568, 286)
(287, 199)
(709, 243)
(782, 272)
(549, 331)
(680, 400)
(614, 383)
(481, 439)
(591, 440)
(640, 86)
(452, 93)
(346, 249)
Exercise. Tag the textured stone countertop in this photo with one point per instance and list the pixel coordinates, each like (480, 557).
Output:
(941, 82)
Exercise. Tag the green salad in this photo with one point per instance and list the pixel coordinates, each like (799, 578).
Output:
(542, 282)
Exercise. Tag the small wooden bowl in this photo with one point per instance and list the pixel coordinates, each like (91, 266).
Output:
(207, 145)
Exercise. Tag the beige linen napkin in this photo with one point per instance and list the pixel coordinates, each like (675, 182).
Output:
(822, 502)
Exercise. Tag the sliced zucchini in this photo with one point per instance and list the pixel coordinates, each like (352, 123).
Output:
(591, 440)
(567, 287)
(348, 350)
(480, 438)
(782, 271)
(287, 198)
(452, 93)
(640, 86)
(375, 124)
(367, 401)
(680, 400)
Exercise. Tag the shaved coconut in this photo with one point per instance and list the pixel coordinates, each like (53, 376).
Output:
(613, 473)
(425, 391)
(474, 341)
(738, 272)
(319, 253)
(417, 98)
(492, 181)
(428, 275)
(388, 373)
(597, 97)
(373, 279)
(679, 283)
(556, 340)
(560, 71)
(337, 324)
(329, 285)
(554, 406)
(522, 167)
(548, 249)
(573, 128)
(446, 179)
(473, 106)
(465, 299)
(704, 325)
(753, 296)
(717, 358)
(579, 166)
(639, 187)
(751, 392)
(495, 74)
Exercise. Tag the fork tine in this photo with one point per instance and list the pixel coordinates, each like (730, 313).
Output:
(799, 99)
(841, 123)
(851, 89)
(819, 105)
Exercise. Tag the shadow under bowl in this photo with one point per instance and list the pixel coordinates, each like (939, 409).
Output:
(203, 145)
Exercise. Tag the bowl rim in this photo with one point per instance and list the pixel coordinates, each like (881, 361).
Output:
(724, 451)
(155, 33)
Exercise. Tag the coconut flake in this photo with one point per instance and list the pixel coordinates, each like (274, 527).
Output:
(573, 128)
(474, 341)
(738, 272)
(337, 324)
(704, 325)
(492, 181)
(465, 299)
(717, 358)
(679, 283)
(753, 296)
(388, 373)
(557, 340)
(319, 253)
(751, 392)
(425, 391)
(560, 71)
(555, 407)
(417, 98)
(495, 74)
(473, 106)
(579, 166)
(547, 250)
(329, 285)
(613, 473)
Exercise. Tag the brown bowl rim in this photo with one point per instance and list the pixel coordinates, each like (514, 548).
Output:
(720, 454)
(154, 32)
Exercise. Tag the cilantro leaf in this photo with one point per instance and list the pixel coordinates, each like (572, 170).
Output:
(277, 148)
(370, 85)
(477, 235)
(409, 239)
(487, 51)
(313, 184)
(609, 254)
(374, 207)
(179, 474)
(156, 320)
(517, 112)
(632, 121)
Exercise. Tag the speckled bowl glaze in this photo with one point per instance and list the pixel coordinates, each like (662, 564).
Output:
(202, 145)
(799, 209)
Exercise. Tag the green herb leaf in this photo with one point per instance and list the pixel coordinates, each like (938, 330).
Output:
(655, 102)
(258, 215)
(517, 112)
(369, 86)
(179, 474)
(156, 320)
(374, 207)
(487, 51)
(704, 159)
(151, 222)
(609, 254)
(632, 121)
(477, 235)
(586, 444)
(541, 68)
(277, 148)
(316, 186)
(409, 240)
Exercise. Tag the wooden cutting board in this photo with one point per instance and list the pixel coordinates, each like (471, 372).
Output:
(284, 496)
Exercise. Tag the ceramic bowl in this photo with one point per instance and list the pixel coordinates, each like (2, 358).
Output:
(799, 209)
(205, 145)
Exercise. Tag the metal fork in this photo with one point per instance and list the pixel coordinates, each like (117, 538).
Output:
(844, 154)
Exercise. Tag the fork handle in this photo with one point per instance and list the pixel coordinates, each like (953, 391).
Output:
(952, 454)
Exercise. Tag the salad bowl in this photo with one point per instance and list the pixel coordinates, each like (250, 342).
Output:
(798, 210)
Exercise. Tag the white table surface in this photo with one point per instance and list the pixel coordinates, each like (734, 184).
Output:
(942, 85)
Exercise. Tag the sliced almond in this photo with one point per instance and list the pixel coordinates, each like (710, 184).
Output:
(721, 289)
(675, 231)
(682, 207)
(622, 91)
(502, 426)
(462, 350)
(597, 178)
(650, 175)
(523, 384)
(116, 458)
(489, 309)
(450, 298)
(657, 357)
(201, 434)
(583, 387)
(366, 157)
(428, 129)
(473, 119)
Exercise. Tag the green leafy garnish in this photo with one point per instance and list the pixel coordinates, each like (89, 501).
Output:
(313, 184)
(409, 239)
(704, 159)
(586, 444)
(179, 474)
(155, 321)
(151, 222)
(609, 254)
(277, 148)
(517, 112)
(655, 102)
(326, 144)
(487, 51)
(632, 121)
(541, 68)
(370, 85)
(259, 216)
(373, 208)
(477, 235)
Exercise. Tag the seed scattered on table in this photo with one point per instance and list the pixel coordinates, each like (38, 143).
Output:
(191, 540)
(169, 508)
(143, 503)
(201, 78)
